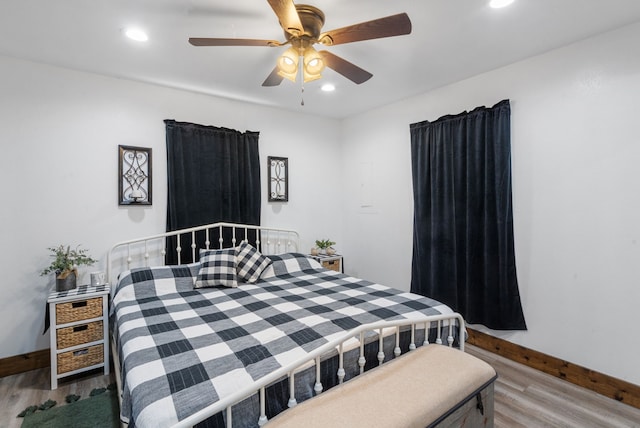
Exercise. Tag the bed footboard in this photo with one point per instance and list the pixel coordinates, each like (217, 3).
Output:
(446, 327)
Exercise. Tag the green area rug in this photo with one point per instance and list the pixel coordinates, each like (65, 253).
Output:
(97, 411)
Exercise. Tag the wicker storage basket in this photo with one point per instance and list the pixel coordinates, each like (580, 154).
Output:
(78, 334)
(78, 310)
(80, 358)
(332, 264)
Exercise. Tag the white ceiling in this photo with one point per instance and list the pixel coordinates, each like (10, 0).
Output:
(451, 40)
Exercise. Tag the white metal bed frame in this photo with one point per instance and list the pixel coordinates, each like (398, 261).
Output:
(272, 241)
(141, 252)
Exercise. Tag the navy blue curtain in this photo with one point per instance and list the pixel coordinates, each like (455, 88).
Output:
(213, 175)
(463, 250)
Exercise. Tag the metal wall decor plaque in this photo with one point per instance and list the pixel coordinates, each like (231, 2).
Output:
(134, 175)
(278, 185)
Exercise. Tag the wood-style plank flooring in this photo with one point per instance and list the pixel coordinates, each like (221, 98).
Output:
(524, 397)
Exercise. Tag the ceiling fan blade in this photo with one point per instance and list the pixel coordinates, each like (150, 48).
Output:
(198, 41)
(395, 25)
(274, 79)
(350, 71)
(288, 16)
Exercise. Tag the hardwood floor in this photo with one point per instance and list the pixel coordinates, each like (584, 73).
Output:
(524, 397)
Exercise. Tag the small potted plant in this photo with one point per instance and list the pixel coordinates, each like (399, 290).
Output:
(325, 246)
(65, 265)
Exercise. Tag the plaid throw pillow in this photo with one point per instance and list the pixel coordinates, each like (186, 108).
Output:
(217, 267)
(250, 263)
(289, 264)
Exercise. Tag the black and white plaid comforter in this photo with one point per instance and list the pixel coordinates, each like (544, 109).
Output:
(181, 348)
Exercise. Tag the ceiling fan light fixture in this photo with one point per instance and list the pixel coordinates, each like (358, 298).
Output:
(289, 76)
(288, 64)
(309, 77)
(313, 64)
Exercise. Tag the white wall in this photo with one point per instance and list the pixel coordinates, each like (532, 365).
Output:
(576, 198)
(575, 157)
(60, 132)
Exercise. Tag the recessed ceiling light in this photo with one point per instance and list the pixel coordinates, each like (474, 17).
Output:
(136, 34)
(496, 4)
(328, 87)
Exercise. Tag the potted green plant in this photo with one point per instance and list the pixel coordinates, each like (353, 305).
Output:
(65, 265)
(325, 246)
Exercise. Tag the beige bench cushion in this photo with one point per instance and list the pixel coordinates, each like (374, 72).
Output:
(410, 391)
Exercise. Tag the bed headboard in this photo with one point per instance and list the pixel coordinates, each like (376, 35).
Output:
(154, 251)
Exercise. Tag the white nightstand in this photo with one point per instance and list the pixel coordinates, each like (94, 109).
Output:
(330, 262)
(79, 321)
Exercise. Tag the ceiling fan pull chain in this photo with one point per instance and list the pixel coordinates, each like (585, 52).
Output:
(301, 87)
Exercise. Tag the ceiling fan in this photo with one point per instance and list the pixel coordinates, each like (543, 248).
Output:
(302, 25)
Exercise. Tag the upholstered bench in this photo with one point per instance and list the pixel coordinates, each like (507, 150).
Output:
(433, 385)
